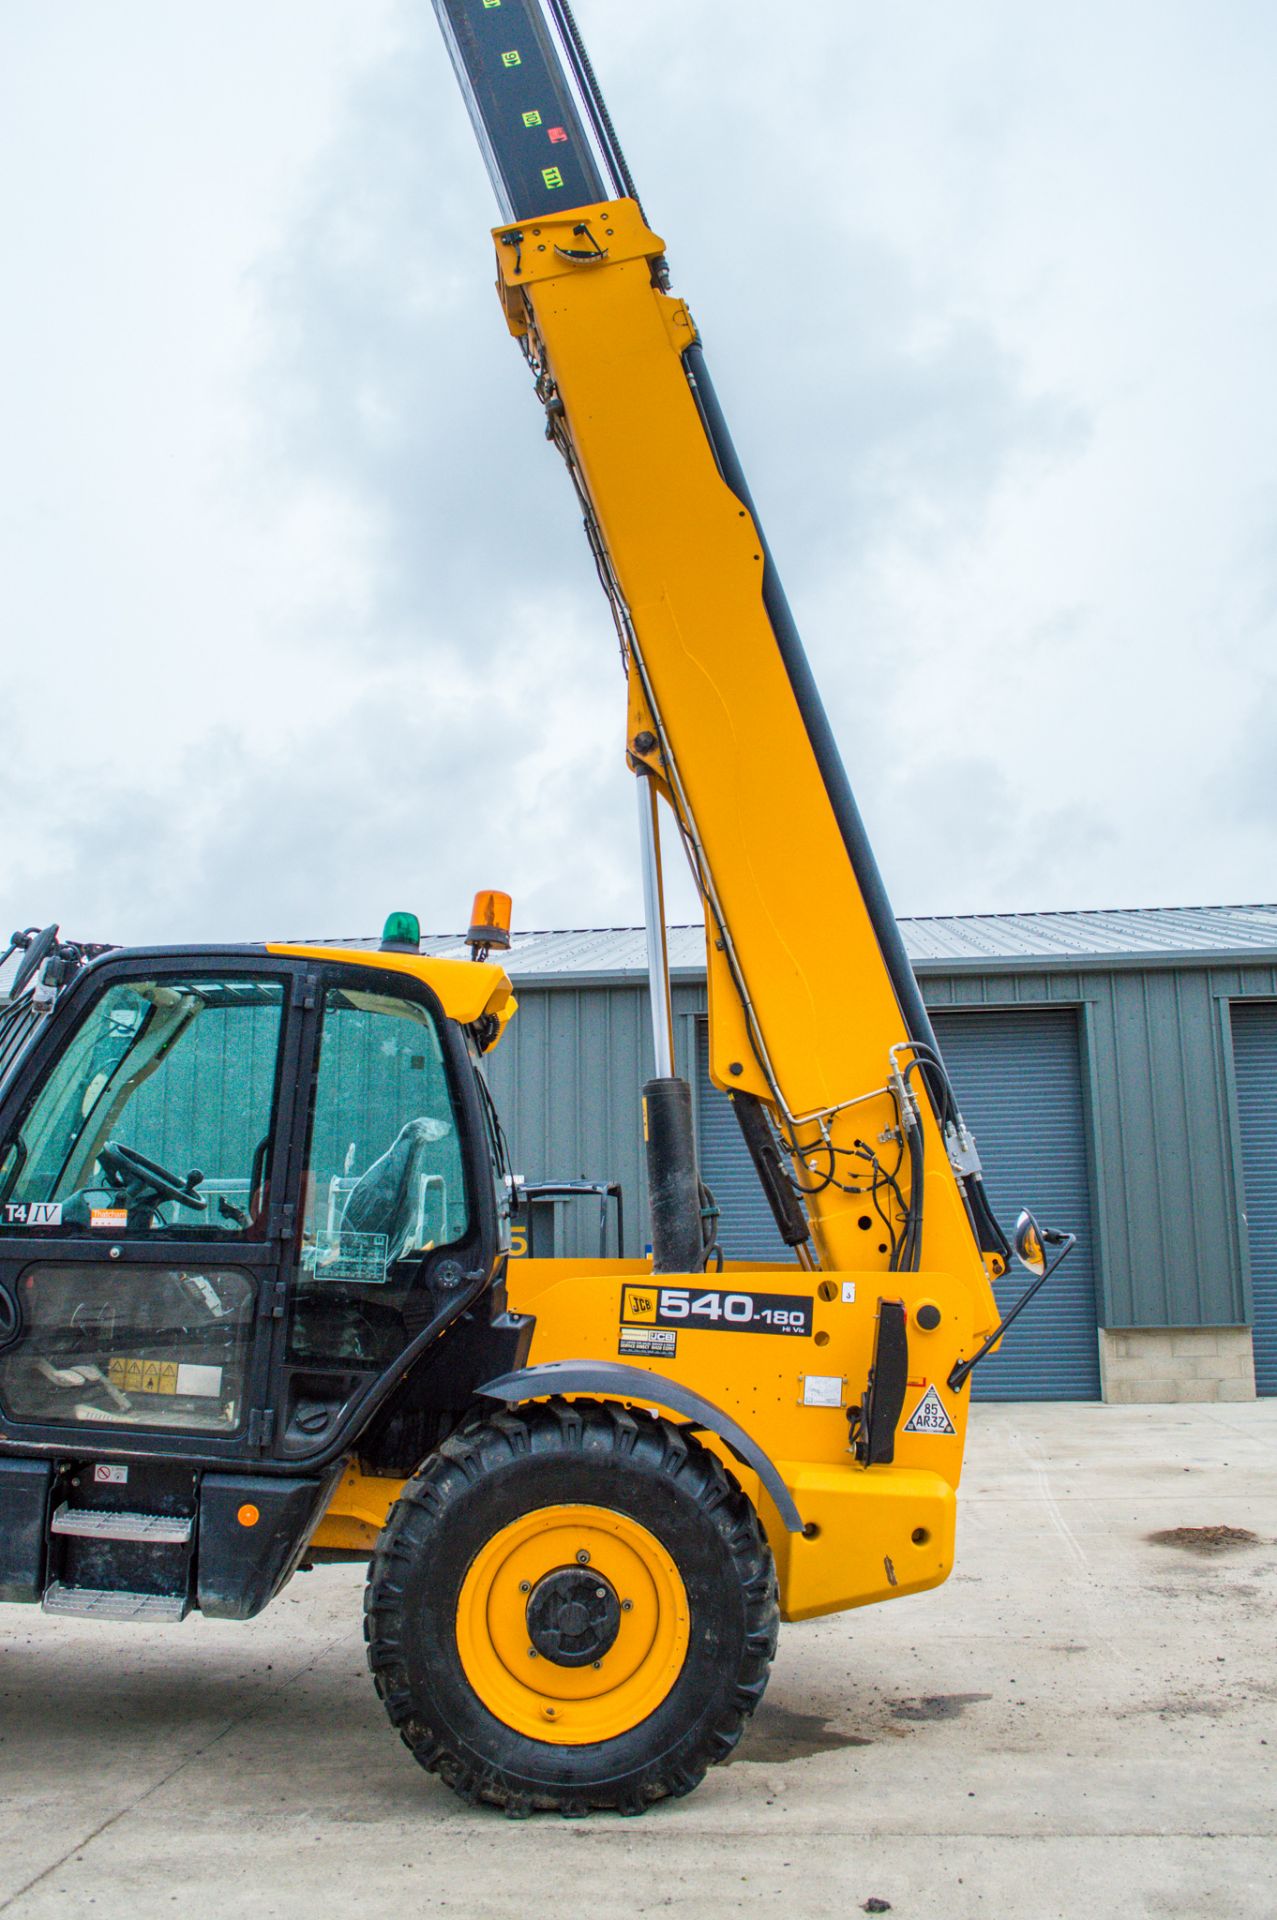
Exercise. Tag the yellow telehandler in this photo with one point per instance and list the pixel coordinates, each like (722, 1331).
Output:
(257, 1310)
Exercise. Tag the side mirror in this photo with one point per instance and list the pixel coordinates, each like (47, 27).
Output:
(1028, 1242)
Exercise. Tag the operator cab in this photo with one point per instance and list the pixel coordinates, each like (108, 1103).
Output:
(239, 1188)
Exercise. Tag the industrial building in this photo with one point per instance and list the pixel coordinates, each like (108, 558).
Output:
(1119, 1070)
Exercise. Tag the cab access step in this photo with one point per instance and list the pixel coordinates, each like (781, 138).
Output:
(148, 1540)
(120, 1541)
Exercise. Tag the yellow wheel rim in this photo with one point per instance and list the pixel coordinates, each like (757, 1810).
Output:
(533, 1695)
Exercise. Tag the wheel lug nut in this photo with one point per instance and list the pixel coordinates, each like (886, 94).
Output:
(596, 1665)
(627, 1606)
(525, 1586)
(583, 1558)
(532, 1653)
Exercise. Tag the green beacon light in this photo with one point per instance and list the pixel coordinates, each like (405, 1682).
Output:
(401, 934)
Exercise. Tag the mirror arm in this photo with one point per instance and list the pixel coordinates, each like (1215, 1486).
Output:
(958, 1376)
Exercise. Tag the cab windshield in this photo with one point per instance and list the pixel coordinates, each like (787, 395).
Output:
(157, 1114)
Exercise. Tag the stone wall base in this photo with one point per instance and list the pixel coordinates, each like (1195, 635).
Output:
(1176, 1363)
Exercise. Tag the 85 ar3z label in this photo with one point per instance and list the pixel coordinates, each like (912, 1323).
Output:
(704, 1311)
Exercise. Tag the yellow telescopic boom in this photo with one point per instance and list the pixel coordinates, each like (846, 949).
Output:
(817, 1028)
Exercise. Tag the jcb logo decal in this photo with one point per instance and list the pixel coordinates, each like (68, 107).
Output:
(640, 1304)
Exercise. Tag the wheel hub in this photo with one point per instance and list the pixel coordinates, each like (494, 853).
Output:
(573, 1616)
(594, 1676)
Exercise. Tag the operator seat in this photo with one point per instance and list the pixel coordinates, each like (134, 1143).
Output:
(387, 1197)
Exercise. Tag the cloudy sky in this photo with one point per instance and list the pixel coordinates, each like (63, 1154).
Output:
(296, 617)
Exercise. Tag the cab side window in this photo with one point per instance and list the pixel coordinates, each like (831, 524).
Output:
(384, 1174)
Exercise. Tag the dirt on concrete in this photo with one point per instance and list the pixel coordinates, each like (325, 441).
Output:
(1071, 1727)
(1216, 1539)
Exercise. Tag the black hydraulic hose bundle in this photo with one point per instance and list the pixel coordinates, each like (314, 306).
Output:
(910, 1255)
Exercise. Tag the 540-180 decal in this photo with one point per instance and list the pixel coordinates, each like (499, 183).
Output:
(702, 1312)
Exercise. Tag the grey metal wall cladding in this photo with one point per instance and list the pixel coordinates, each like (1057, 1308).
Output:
(567, 1079)
(1018, 1080)
(1255, 1063)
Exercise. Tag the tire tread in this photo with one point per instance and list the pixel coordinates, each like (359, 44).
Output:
(665, 1452)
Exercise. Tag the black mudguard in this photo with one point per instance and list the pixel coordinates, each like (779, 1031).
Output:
(615, 1382)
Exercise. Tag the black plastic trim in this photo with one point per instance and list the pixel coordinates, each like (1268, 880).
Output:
(885, 1398)
(240, 1568)
(25, 1487)
(764, 1150)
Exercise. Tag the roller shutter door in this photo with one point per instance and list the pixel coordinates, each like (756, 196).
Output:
(1018, 1080)
(1255, 1059)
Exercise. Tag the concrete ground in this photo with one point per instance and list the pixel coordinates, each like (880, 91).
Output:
(1081, 1723)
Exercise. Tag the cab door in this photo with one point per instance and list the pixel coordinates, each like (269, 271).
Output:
(143, 1160)
(397, 1227)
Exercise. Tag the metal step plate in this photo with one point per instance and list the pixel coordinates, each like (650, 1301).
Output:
(91, 1523)
(97, 1604)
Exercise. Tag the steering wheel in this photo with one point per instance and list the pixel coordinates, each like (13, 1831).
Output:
(124, 1167)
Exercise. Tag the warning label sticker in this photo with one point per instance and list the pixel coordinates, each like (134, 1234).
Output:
(929, 1416)
(164, 1376)
(658, 1343)
(143, 1376)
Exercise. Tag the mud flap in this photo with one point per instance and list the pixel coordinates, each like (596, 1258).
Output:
(25, 1487)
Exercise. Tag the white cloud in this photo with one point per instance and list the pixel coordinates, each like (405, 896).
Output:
(296, 616)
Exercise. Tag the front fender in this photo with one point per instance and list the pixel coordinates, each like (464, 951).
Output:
(632, 1383)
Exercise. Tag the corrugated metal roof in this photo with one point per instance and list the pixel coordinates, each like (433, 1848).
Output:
(934, 943)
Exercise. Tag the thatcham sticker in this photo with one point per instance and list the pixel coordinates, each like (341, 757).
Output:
(33, 1213)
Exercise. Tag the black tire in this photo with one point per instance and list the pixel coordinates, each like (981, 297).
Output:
(492, 1473)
